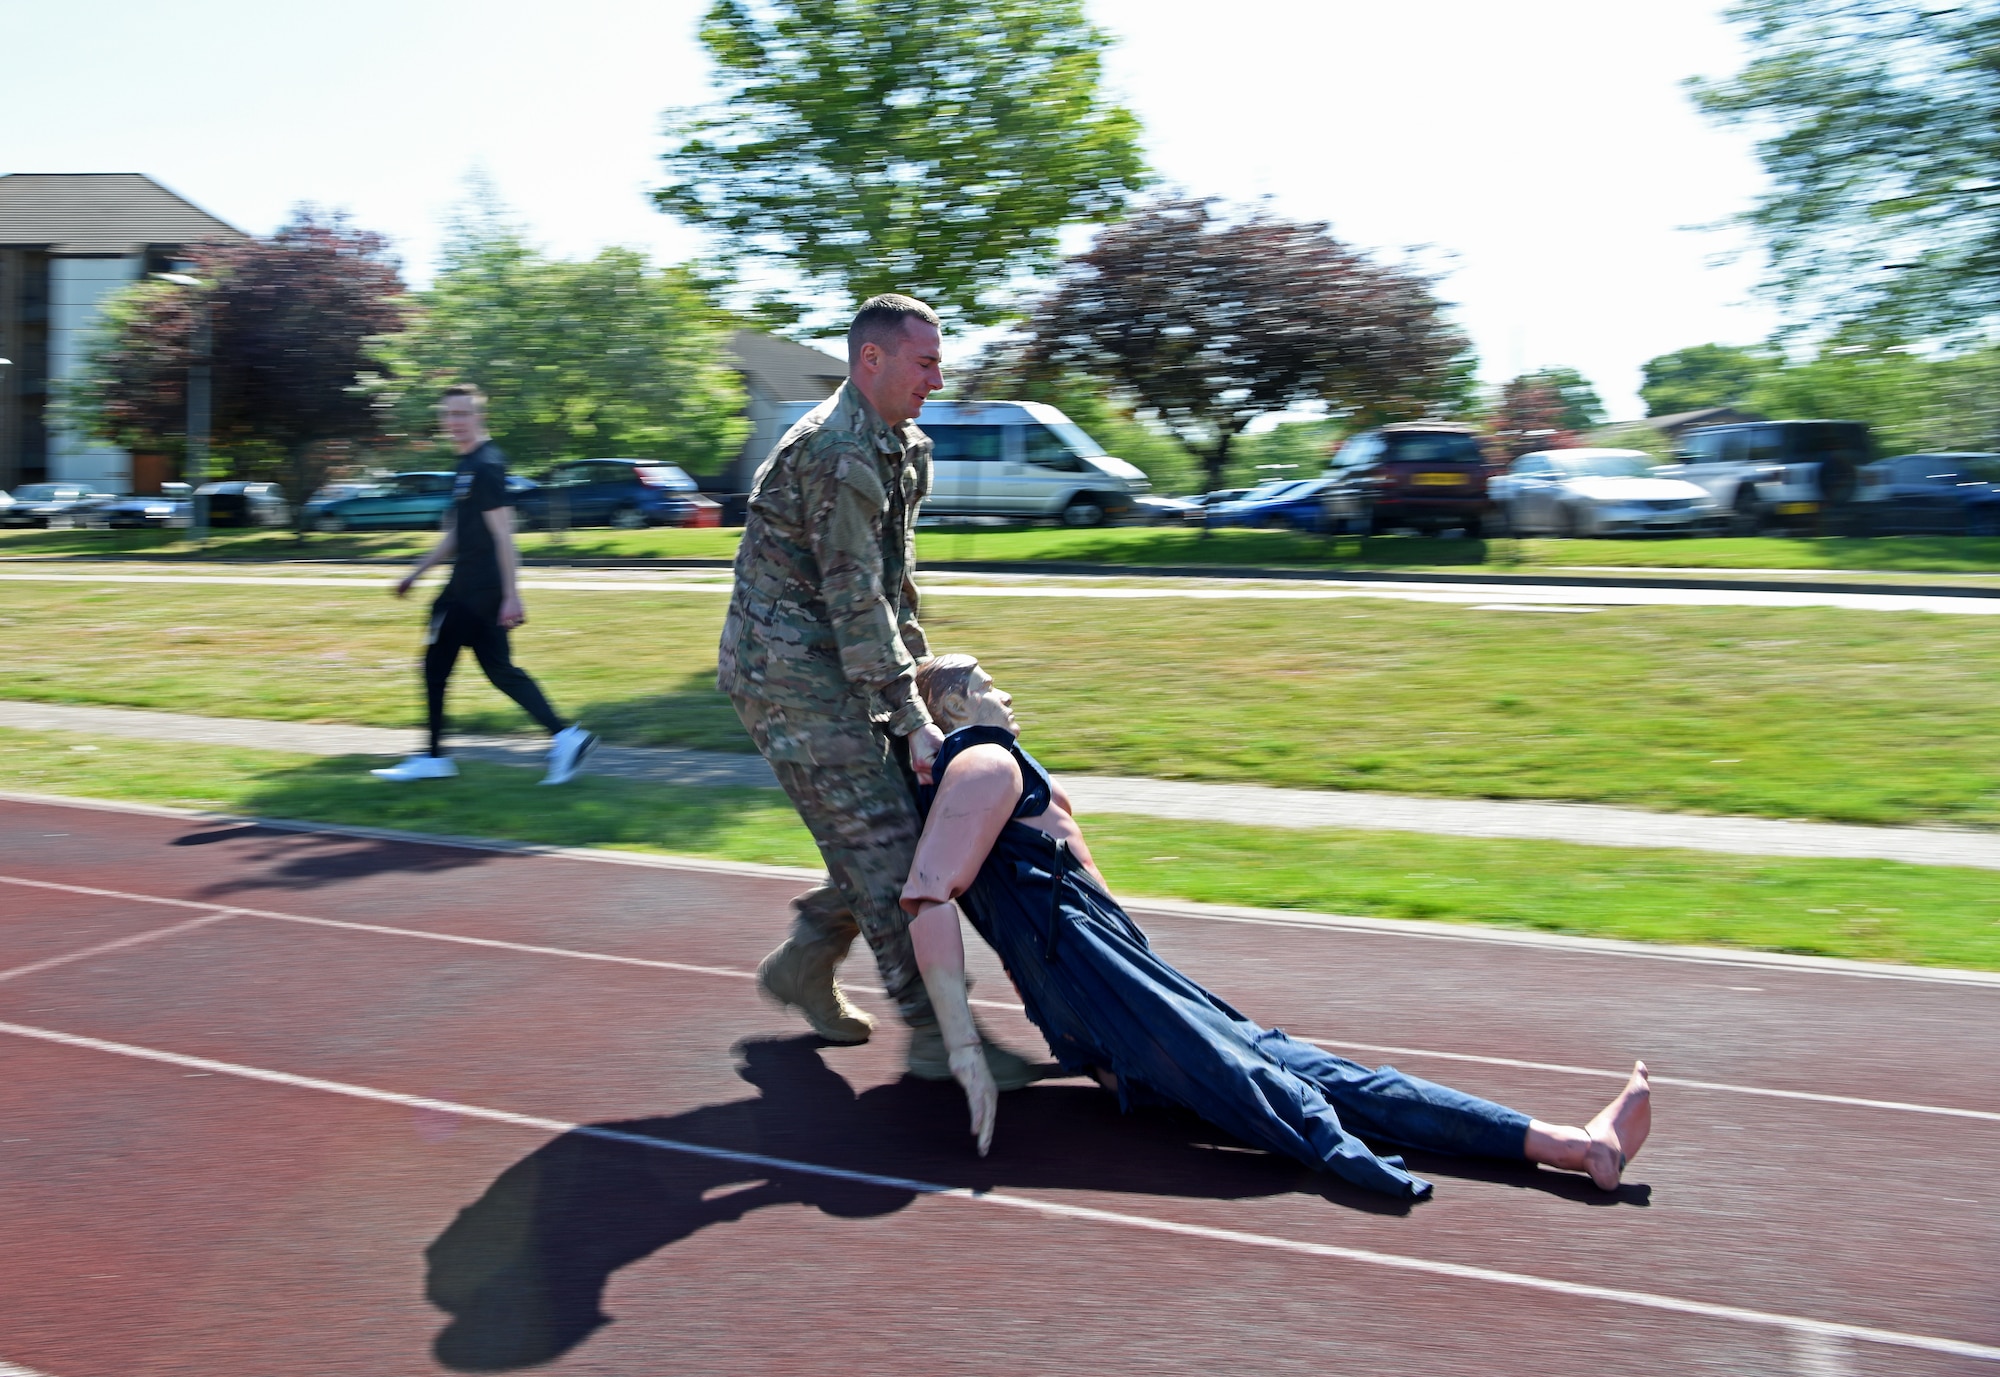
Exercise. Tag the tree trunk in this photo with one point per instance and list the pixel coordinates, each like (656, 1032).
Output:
(302, 484)
(1213, 463)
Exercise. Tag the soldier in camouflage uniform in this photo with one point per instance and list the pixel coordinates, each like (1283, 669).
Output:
(819, 653)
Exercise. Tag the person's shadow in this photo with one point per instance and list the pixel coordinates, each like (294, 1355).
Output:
(523, 1269)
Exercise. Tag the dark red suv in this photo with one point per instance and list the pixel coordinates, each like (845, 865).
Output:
(1426, 475)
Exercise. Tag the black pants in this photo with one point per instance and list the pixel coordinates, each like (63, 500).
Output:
(454, 626)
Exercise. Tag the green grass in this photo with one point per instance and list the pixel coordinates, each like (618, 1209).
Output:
(1874, 910)
(1805, 713)
(1115, 546)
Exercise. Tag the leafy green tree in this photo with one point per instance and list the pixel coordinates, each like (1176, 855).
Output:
(1702, 375)
(933, 147)
(608, 356)
(1878, 120)
(1211, 323)
(1582, 408)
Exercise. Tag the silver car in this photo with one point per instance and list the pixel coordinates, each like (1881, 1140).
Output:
(1576, 492)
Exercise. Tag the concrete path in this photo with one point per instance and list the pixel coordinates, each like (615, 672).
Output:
(1249, 805)
(1554, 596)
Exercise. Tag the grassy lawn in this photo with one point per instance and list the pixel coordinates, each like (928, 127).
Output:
(1806, 713)
(1142, 545)
(1873, 910)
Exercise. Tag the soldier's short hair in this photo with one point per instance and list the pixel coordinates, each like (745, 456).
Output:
(945, 681)
(464, 390)
(881, 321)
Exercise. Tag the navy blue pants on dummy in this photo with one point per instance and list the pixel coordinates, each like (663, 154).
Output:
(1093, 985)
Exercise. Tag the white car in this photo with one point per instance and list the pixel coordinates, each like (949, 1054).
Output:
(1577, 492)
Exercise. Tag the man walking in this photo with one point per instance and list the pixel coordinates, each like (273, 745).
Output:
(481, 601)
(819, 653)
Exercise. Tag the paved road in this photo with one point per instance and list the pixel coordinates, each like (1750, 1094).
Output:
(1496, 597)
(309, 1103)
(1250, 805)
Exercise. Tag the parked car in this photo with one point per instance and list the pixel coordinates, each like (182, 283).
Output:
(234, 503)
(1572, 492)
(1426, 475)
(1930, 494)
(1157, 509)
(1018, 459)
(627, 493)
(402, 501)
(54, 504)
(171, 506)
(1796, 474)
(6, 501)
(1294, 503)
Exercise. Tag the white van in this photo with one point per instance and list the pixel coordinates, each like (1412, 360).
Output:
(1016, 459)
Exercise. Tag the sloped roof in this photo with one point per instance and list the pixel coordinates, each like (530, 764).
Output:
(99, 212)
(1706, 416)
(786, 371)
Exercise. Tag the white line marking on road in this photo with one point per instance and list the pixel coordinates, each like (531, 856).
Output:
(155, 935)
(1796, 1324)
(576, 954)
(1821, 1355)
(16, 1370)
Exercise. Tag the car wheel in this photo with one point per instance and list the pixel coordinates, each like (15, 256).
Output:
(1083, 510)
(1745, 516)
(1567, 526)
(1499, 522)
(1474, 528)
(628, 517)
(330, 525)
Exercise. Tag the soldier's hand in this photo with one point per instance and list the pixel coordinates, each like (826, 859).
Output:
(924, 744)
(968, 1068)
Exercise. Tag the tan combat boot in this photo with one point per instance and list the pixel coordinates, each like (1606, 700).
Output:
(929, 1061)
(799, 975)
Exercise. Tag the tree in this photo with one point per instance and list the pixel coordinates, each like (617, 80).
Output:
(926, 146)
(1879, 119)
(1531, 416)
(1701, 376)
(608, 356)
(296, 324)
(1582, 408)
(1211, 323)
(1912, 403)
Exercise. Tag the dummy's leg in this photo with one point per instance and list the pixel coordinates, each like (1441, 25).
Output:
(1386, 1105)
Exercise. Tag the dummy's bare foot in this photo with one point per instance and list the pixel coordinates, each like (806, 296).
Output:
(1619, 1130)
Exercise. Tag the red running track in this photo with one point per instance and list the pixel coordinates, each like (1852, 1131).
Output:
(301, 1102)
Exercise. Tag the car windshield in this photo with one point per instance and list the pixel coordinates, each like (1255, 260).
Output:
(1078, 442)
(1977, 468)
(41, 492)
(1434, 449)
(1603, 466)
(1275, 487)
(662, 473)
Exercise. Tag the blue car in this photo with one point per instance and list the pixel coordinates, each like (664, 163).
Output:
(1930, 494)
(626, 493)
(1282, 503)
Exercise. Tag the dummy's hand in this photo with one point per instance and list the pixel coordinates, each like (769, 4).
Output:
(924, 744)
(512, 614)
(968, 1068)
(406, 583)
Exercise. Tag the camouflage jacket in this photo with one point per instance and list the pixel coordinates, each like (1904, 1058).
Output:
(823, 619)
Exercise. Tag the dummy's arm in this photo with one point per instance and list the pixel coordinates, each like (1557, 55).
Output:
(972, 806)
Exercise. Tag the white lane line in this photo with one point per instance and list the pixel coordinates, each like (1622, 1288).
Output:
(16, 1370)
(575, 954)
(155, 935)
(1796, 1324)
(1815, 1097)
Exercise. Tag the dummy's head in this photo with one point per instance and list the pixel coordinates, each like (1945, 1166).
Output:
(961, 694)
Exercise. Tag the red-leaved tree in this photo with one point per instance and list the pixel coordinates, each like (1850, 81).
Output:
(1530, 417)
(1212, 323)
(293, 323)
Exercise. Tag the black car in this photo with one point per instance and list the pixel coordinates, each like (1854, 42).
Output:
(1930, 494)
(54, 504)
(236, 503)
(627, 493)
(1425, 475)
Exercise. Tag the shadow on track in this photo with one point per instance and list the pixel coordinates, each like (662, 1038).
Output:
(522, 1271)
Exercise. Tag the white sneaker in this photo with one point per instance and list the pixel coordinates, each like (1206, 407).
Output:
(566, 754)
(419, 767)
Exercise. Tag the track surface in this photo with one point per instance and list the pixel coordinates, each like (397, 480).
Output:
(240, 1143)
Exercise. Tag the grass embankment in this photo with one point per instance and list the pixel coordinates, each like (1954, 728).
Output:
(1871, 910)
(1114, 547)
(1792, 713)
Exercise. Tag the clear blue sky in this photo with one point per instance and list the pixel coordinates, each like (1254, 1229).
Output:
(1542, 152)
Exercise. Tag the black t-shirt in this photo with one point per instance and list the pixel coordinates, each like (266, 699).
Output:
(481, 488)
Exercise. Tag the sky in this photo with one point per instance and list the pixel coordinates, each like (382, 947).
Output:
(1541, 155)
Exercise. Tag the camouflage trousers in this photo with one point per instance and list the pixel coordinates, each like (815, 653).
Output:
(854, 792)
